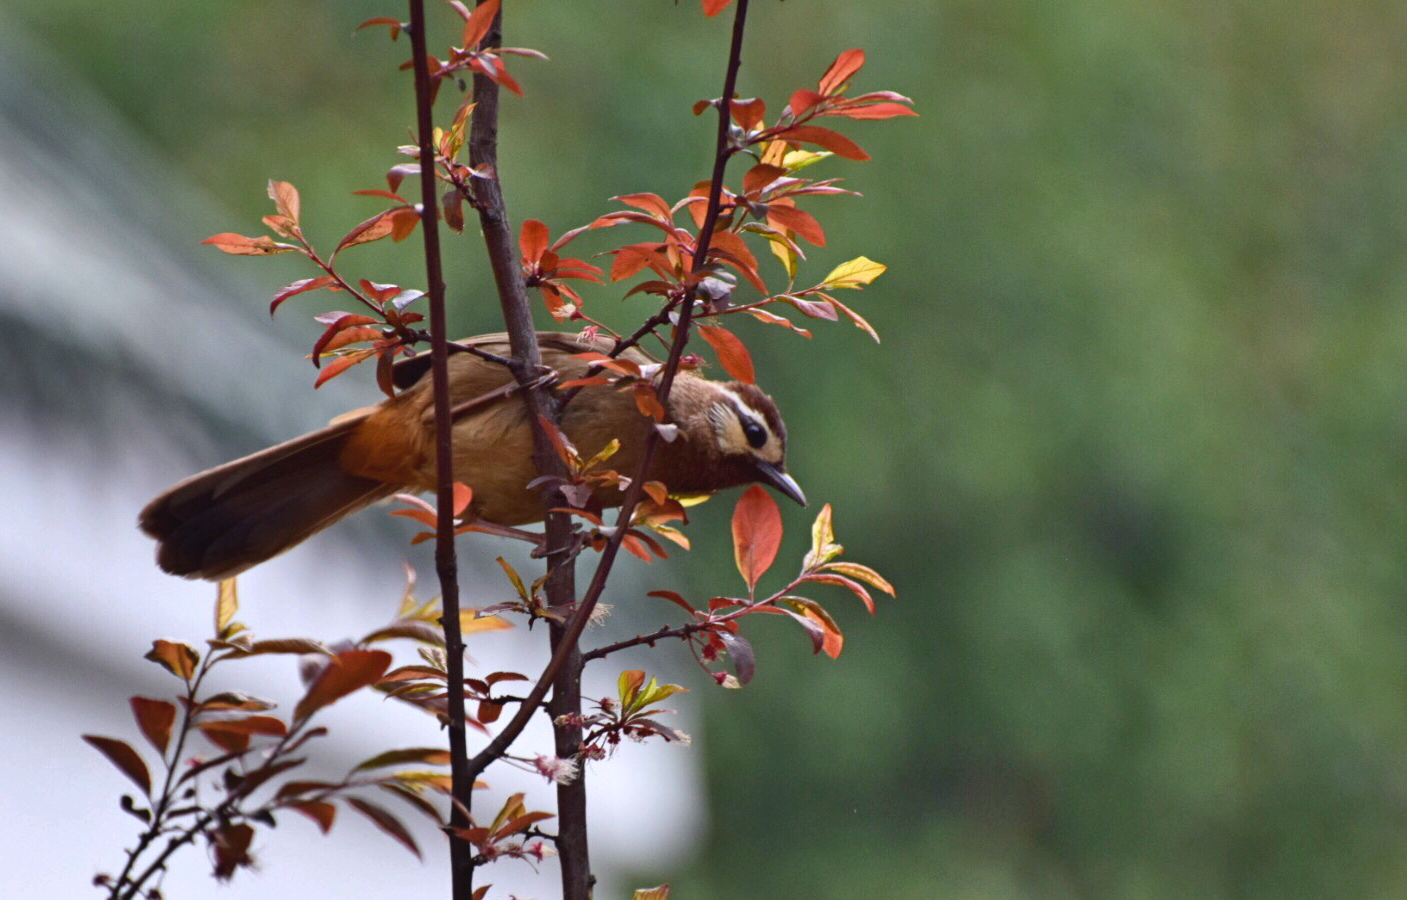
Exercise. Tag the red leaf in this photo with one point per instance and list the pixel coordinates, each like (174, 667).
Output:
(757, 533)
(299, 287)
(453, 202)
(622, 366)
(532, 240)
(230, 846)
(373, 229)
(759, 176)
(833, 141)
(714, 7)
(732, 355)
(154, 718)
(849, 584)
(874, 111)
(730, 248)
(462, 495)
(378, 815)
(846, 64)
(793, 219)
(634, 257)
(319, 811)
(650, 203)
(478, 24)
(647, 402)
(344, 673)
(340, 365)
(121, 754)
(394, 24)
(674, 598)
(336, 337)
(233, 735)
(239, 245)
(403, 222)
(748, 113)
(859, 320)
(803, 100)
(177, 658)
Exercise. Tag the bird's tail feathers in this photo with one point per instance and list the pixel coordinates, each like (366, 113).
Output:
(217, 524)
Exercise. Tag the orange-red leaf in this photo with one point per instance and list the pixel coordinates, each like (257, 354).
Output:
(177, 658)
(761, 175)
(344, 673)
(394, 24)
(714, 7)
(319, 811)
(732, 354)
(532, 240)
(748, 113)
(474, 30)
(846, 64)
(154, 718)
(239, 245)
(650, 203)
(121, 754)
(299, 287)
(340, 365)
(874, 111)
(799, 221)
(757, 534)
(803, 100)
(372, 229)
(833, 141)
(647, 402)
(848, 583)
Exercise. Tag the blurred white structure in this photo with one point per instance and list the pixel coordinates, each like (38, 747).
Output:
(129, 365)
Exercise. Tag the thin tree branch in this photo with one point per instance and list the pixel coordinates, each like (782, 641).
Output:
(542, 406)
(577, 623)
(446, 564)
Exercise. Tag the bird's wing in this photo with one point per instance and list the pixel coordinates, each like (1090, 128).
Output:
(558, 345)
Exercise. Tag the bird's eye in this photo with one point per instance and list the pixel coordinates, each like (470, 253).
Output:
(756, 435)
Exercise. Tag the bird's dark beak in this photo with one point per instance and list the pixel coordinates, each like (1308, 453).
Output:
(778, 478)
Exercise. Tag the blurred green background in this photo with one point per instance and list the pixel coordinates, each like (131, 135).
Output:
(1132, 449)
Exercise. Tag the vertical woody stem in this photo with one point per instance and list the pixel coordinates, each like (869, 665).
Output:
(446, 564)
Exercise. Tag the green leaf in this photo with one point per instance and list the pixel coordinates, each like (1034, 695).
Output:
(628, 686)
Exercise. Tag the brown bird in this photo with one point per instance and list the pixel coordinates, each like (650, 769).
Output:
(222, 521)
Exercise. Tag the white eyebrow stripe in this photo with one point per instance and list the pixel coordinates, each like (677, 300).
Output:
(744, 410)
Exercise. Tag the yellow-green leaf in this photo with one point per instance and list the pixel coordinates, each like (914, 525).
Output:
(863, 573)
(226, 605)
(823, 545)
(470, 621)
(856, 273)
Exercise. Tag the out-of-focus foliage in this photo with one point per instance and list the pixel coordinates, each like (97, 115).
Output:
(1131, 450)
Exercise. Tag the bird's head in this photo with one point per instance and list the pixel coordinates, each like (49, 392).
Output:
(749, 437)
